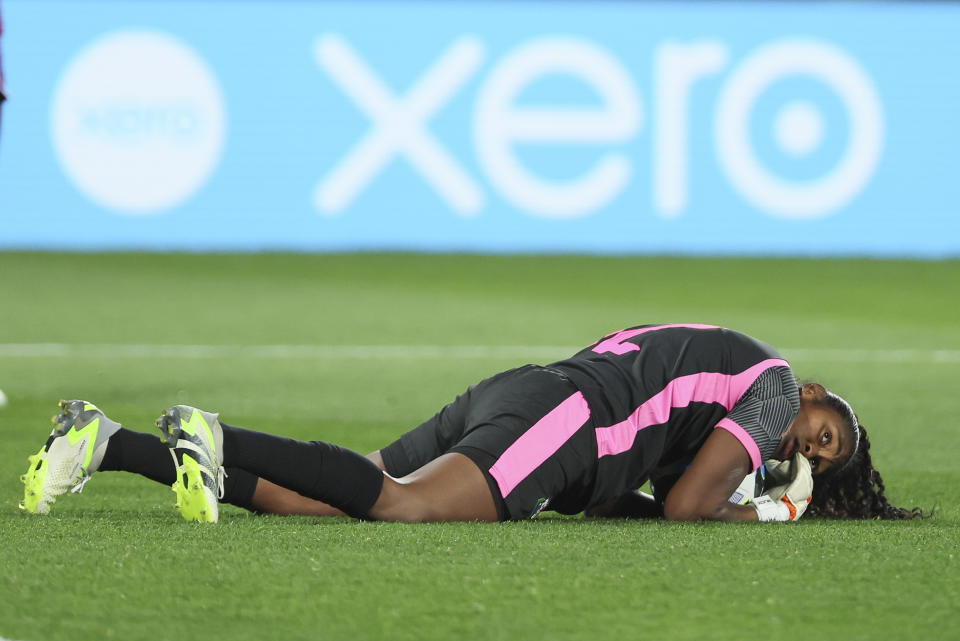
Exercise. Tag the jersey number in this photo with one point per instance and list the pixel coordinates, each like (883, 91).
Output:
(616, 343)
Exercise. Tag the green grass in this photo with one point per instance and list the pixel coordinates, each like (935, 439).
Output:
(117, 561)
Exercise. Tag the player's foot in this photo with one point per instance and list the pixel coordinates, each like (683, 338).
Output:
(195, 439)
(72, 453)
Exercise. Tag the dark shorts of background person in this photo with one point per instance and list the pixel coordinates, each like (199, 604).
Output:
(490, 417)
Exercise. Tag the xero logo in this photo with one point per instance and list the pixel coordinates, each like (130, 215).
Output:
(501, 124)
(138, 122)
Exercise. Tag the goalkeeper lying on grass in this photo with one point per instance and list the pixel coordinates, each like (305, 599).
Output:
(693, 408)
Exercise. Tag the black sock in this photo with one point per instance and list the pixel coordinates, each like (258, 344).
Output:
(146, 455)
(140, 453)
(318, 470)
(238, 488)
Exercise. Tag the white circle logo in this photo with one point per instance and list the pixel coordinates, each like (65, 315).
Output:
(138, 122)
(799, 129)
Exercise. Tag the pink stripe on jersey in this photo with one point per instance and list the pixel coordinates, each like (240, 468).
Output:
(703, 387)
(539, 443)
(614, 343)
(745, 439)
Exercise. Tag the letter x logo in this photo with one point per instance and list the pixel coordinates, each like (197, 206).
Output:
(399, 125)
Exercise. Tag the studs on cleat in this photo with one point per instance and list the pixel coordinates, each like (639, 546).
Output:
(63, 408)
(67, 418)
(169, 425)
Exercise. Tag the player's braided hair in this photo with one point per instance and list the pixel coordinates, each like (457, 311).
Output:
(856, 490)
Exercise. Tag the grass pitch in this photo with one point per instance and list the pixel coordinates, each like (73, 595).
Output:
(357, 349)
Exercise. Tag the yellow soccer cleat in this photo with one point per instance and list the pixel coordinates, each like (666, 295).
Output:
(195, 439)
(72, 453)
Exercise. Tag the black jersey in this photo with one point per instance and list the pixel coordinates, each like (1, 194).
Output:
(656, 392)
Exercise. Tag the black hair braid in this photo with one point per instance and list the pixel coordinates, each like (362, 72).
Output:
(856, 491)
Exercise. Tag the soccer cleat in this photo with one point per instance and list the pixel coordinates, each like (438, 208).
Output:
(195, 439)
(72, 453)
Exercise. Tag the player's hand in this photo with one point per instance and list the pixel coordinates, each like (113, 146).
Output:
(787, 500)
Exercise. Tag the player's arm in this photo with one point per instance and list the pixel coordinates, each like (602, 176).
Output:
(703, 490)
(640, 505)
(631, 505)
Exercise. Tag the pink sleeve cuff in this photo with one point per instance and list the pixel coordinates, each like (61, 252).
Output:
(745, 439)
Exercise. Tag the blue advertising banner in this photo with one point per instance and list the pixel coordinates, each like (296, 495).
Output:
(601, 127)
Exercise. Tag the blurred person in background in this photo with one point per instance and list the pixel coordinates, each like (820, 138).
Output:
(2, 95)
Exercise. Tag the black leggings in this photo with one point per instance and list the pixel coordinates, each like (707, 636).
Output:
(315, 469)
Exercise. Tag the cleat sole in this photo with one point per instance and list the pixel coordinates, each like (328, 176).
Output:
(33, 483)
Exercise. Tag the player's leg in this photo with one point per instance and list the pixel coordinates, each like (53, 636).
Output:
(84, 441)
(407, 454)
(448, 488)
(314, 469)
(527, 439)
(410, 452)
(327, 473)
(270, 498)
(112, 447)
(146, 455)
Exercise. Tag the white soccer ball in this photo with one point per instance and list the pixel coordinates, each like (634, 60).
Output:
(750, 488)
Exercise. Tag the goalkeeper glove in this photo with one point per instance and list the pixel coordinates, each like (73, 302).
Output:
(789, 499)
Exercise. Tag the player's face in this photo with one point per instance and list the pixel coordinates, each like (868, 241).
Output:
(819, 433)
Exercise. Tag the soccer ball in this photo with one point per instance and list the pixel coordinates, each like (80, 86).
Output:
(751, 487)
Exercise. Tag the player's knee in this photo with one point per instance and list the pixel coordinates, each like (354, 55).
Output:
(402, 502)
(377, 459)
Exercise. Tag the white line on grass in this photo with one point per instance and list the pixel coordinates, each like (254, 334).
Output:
(426, 352)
